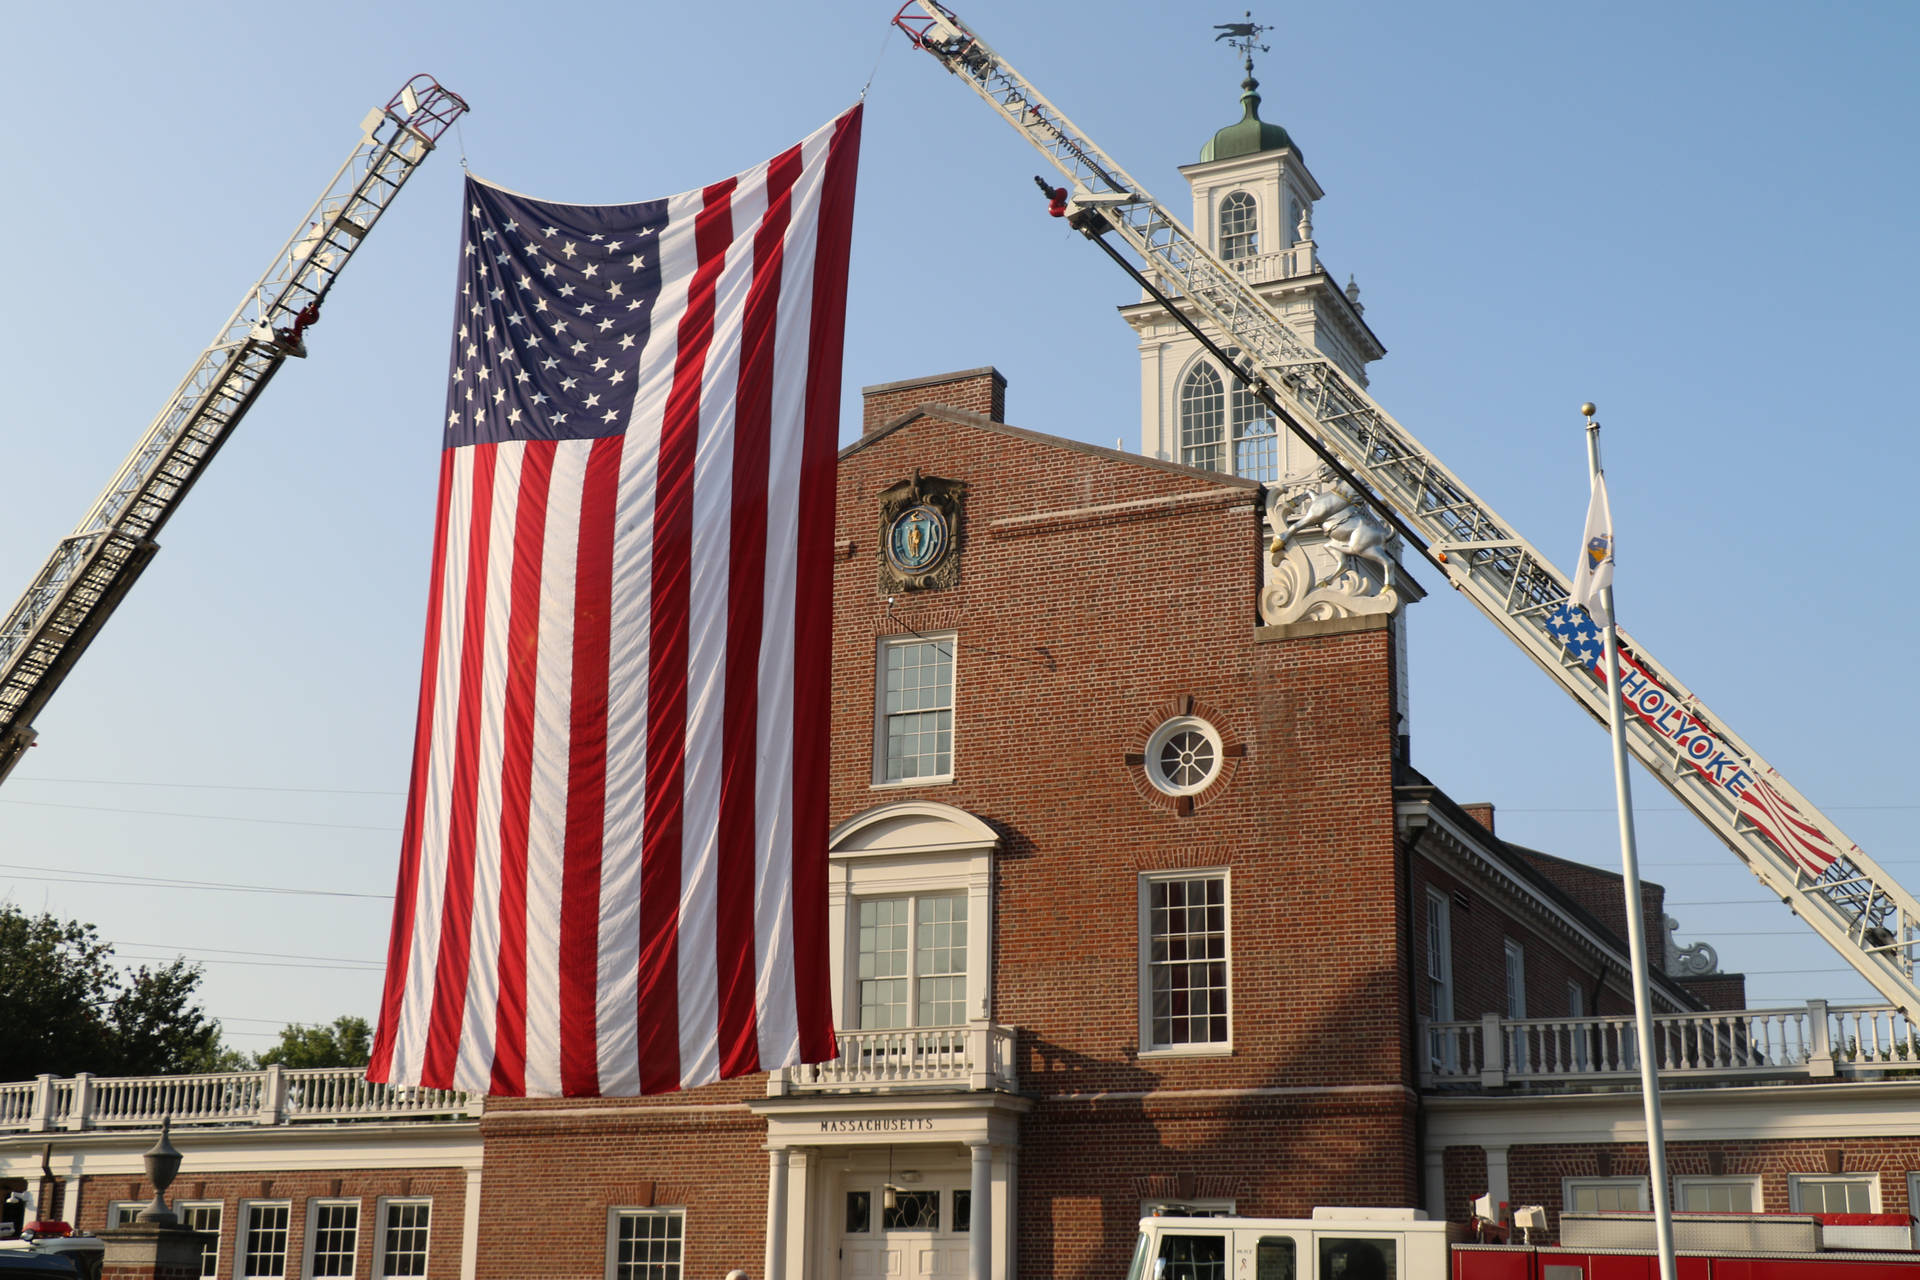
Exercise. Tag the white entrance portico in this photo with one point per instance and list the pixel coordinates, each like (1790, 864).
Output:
(951, 1160)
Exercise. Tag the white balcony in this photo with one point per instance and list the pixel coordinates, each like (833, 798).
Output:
(1813, 1042)
(274, 1095)
(975, 1057)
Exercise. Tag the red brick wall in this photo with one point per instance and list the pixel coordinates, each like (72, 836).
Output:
(1600, 893)
(1720, 991)
(446, 1222)
(570, 1162)
(1535, 1172)
(982, 391)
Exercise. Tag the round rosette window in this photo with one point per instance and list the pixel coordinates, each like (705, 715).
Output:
(1183, 756)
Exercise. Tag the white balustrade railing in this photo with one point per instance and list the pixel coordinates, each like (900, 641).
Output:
(1815, 1041)
(274, 1095)
(976, 1056)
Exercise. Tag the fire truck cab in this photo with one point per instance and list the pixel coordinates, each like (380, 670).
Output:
(1334, 1244)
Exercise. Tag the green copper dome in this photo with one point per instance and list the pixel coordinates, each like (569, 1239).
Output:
(1249, 134)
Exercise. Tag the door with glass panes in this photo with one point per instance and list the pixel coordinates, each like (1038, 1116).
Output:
(919, 1232)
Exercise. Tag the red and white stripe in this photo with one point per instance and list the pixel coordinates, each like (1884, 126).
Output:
(613, 873)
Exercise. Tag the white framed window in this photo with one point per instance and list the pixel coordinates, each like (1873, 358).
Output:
(1184, 756)
(1239, 227)
(1185, 995)
(914, 735)
(121, 1213)
(1734, 1193)
(1256, 439)
(333, 1237)
(1203, 418)
(645, 1244)
(1602, 1195)
(1516, 979)
(912, 961)
(204, 1217)
(405, 1227)
(263, 1239)
(1834, 1193)
(1444, 1049)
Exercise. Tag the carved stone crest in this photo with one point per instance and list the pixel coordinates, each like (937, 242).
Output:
(1328, 555)
(922, 525)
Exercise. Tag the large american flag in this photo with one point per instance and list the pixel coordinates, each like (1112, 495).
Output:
(613, 872)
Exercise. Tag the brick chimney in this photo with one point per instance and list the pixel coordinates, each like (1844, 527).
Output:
(981, 391)
(1481, 813)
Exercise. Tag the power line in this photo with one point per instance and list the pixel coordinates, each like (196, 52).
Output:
(208, 786)
(115, 879)
(203, 817)
(229, 951)
(365, 966)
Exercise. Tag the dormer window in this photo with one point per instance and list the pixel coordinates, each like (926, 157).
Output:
(1239, 227)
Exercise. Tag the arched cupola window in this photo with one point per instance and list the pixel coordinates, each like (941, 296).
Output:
(1222, 430)
(1239, 227)
(1203, 418)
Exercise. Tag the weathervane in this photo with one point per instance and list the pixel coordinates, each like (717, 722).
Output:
(1244, 36)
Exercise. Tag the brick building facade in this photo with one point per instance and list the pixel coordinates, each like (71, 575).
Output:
(1093, 753)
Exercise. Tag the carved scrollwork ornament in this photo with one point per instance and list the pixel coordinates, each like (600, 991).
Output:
(1328, 555)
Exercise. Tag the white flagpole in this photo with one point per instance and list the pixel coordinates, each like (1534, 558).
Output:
(1636, 919)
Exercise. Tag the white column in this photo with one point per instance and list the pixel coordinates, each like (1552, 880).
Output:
(980, 1226)
(776, 1260)
(1497, 1187)
(470, 1228)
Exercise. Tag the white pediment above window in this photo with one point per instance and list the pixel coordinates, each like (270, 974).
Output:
(911, 827)
(919, 861)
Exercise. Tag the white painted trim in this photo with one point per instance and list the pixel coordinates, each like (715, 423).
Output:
(1684, 1182)
(950, 639)
(616, 1211)
(469, 1228)
(243, 1228)
(1795, 1181)
(381, 1207)
(312, 1231)
(1569, 1185)
(1143, 968)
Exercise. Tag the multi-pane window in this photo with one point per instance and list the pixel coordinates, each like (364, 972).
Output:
(916, 691)
(644, 1244)
(1516, 1003)
(404, 1227)
(1603, 1195)
(204, 1221)
(1203, 418)
(1717, 1195)
(1256, 444)
(1184, 960)
(1846, 1193)
(1218, 427)
(334, 1236)
(263, 1242)
(1239, 227)
(1444, 1049)
(913, 961)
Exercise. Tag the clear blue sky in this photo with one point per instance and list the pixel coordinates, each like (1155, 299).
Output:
(1696, 215)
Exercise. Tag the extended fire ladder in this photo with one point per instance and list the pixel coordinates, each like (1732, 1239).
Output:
(90, 571)
(1790, 845)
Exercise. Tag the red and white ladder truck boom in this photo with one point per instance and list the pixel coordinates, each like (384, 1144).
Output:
(90, 570)
(1794, 849)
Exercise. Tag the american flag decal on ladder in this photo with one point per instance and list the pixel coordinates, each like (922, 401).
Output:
(613, 872)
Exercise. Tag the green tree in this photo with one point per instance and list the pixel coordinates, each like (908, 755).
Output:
(65, 1008)
(348, 1042)
(158, 1029)
(57, 986)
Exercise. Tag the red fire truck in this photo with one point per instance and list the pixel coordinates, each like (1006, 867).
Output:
(1402, 1244)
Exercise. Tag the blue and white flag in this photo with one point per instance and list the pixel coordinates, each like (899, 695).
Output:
(1594, 576)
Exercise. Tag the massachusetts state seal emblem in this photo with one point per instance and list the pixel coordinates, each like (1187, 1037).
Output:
(921, 534)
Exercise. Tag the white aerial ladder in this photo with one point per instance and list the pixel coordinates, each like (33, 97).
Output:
(1794, 849)
(90, 571)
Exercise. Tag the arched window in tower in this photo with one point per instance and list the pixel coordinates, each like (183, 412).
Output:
(1203, 419)
(1239, 227)
(1251, 429)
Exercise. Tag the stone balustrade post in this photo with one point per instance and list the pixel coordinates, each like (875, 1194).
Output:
(1819, 1041)
(273, 1095)
(82, 1101)
(1493, 1052)
(42, 1118)
(979, 1056)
